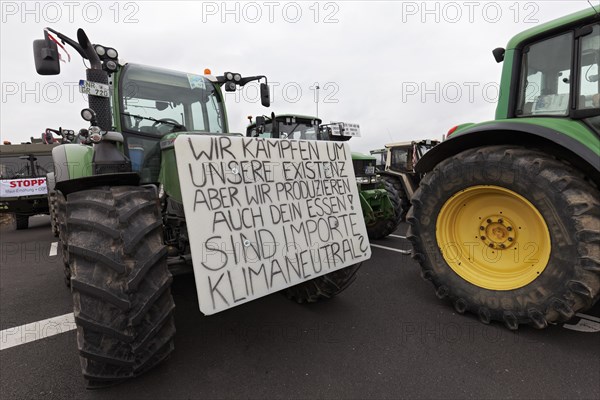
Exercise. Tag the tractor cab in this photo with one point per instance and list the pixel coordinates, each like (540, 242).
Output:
(286, 126)
(155, 102)
(402, 157)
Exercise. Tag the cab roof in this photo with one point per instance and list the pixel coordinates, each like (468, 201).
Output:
(587, 15)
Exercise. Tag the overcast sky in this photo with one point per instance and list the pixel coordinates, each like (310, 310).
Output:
(402, 70)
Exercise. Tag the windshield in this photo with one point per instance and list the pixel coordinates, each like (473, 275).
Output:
(297, 130)
(13, 167)
(157, 101)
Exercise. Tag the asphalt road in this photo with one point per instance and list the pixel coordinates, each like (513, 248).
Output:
(387, 336)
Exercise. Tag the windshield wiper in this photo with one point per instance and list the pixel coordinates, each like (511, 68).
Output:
(162, 121)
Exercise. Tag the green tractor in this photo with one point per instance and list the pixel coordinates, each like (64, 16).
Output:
(506, 221)
(396, 165)
(379, 200)
(129, 204)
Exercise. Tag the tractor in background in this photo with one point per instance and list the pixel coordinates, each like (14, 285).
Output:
(396, 165)
(380, 201)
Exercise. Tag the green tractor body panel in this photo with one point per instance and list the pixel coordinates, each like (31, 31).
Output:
(375, 205)
(72, 161)
(168, 167)
(573, 140)
(576, 130)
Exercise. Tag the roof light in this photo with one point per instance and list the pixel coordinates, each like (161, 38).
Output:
(100, 50)
(111, 65)
(207, 71)
(112, 53)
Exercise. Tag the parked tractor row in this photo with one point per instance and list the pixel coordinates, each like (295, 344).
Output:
(504, 215)
(379, 200)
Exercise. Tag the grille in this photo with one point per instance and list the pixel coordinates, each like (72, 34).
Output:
(360, 167)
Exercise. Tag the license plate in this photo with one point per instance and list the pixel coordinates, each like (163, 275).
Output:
(370, 170)
(94, 88)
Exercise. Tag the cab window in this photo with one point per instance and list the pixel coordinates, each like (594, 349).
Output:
(589, 84)
(546, 77)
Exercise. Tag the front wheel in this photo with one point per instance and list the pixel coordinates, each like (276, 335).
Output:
(22, 221)
(384, 227)
(120, 282)
(396, 183)
(323, 287)
(508, 234)
(53, 213)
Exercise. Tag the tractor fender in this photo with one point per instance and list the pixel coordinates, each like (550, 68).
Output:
(72, 161)
(73, 170)
(546, 139)
(89, 182)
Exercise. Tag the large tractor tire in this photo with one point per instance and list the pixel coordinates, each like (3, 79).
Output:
(22, 221)
(61, 212)
(323, 287)
(53, 213)
(384, 227)
(396, 183)
(120, 282)
(509, 234)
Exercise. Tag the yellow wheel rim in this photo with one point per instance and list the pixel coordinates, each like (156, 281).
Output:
(493, 237)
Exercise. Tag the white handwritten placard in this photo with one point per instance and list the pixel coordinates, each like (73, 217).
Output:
(266, 214)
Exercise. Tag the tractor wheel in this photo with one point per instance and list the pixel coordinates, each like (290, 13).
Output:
(22, 221)
(404, 201)
(509, 234)
(61, 212)
(383, 227)
(53, 214)
(120, 282)
(323, 287)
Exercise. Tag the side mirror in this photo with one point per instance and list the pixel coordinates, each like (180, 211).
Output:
(265, 96)
(498, 54)
(45, 54)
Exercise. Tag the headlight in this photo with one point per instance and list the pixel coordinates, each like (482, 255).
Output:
(363, 180)
(112, 53)
(101, 51)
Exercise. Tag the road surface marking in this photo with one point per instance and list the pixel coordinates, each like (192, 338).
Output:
(391, 249)
(53, 249)
(591, 318)
(31, 332)
(586, 323)
(398, 236)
